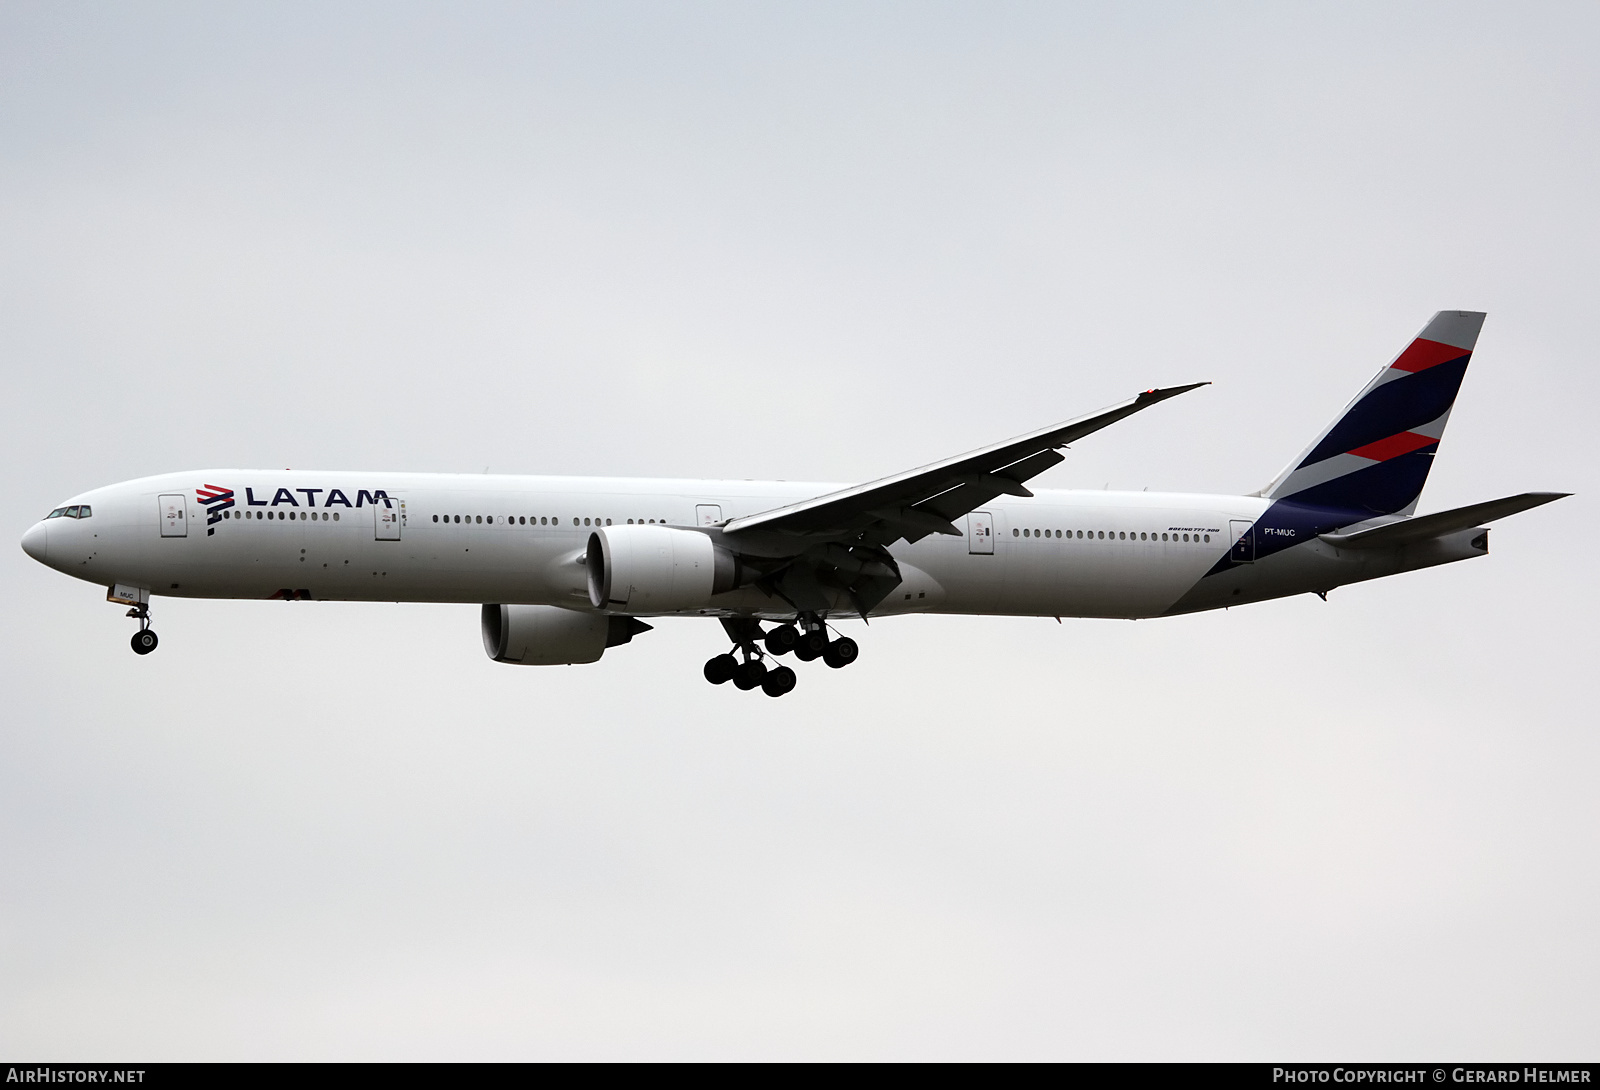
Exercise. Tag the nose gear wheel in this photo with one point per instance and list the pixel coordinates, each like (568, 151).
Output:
(144, 641)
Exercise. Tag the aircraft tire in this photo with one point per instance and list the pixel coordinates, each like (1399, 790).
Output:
(720, 669)
(749, 674)
(841, 652)
(778, 682)
(144, 641)
(782, 640)
(812, 645)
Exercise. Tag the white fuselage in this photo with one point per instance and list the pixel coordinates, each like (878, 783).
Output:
(419, 537)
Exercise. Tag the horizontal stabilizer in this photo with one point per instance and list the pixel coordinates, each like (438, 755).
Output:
(1412, 530)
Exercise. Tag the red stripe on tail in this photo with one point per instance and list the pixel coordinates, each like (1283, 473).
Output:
(1423, 354)
(1394, 446)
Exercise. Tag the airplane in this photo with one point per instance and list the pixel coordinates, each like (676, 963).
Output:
(568, 567)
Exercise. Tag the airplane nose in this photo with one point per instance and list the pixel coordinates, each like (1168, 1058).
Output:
(36, 542)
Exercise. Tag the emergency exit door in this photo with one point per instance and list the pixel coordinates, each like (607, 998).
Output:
(708, 514)
(174, 522)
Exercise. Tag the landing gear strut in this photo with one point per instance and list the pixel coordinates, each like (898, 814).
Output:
(144, 641)
(745, 665)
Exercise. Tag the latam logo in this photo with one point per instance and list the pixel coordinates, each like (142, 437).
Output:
(216, 499)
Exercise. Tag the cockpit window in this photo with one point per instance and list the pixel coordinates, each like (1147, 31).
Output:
(57, 513)
(85, 511)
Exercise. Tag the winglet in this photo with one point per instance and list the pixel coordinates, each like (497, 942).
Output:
(1161, 394)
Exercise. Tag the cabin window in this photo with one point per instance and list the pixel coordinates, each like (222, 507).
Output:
(1208, 539)
(1014, 531)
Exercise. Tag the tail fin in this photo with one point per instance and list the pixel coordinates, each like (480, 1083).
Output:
(1375, 458)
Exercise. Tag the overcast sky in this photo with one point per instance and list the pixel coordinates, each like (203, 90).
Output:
(822, 242)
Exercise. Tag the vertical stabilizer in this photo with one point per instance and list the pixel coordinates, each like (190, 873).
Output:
(1374, 459)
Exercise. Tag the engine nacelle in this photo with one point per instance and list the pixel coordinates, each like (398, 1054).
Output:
(657, 569)
(552, 636)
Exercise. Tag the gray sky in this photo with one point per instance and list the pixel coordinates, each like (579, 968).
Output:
(813, 242)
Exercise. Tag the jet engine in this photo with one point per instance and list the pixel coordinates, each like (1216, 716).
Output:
(657, 569)
(552, 636)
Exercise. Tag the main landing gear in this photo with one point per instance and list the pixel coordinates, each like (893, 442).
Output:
(747, 670)
(144, 641)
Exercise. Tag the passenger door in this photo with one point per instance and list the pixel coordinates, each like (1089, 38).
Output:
(708, 514)
(174, 511)
(387, 520)
(1243, 537)
(980, 533)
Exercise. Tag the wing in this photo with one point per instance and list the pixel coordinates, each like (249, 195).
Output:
(924, 501)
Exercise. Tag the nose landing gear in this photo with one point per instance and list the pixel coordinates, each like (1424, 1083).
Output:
(144, 641)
